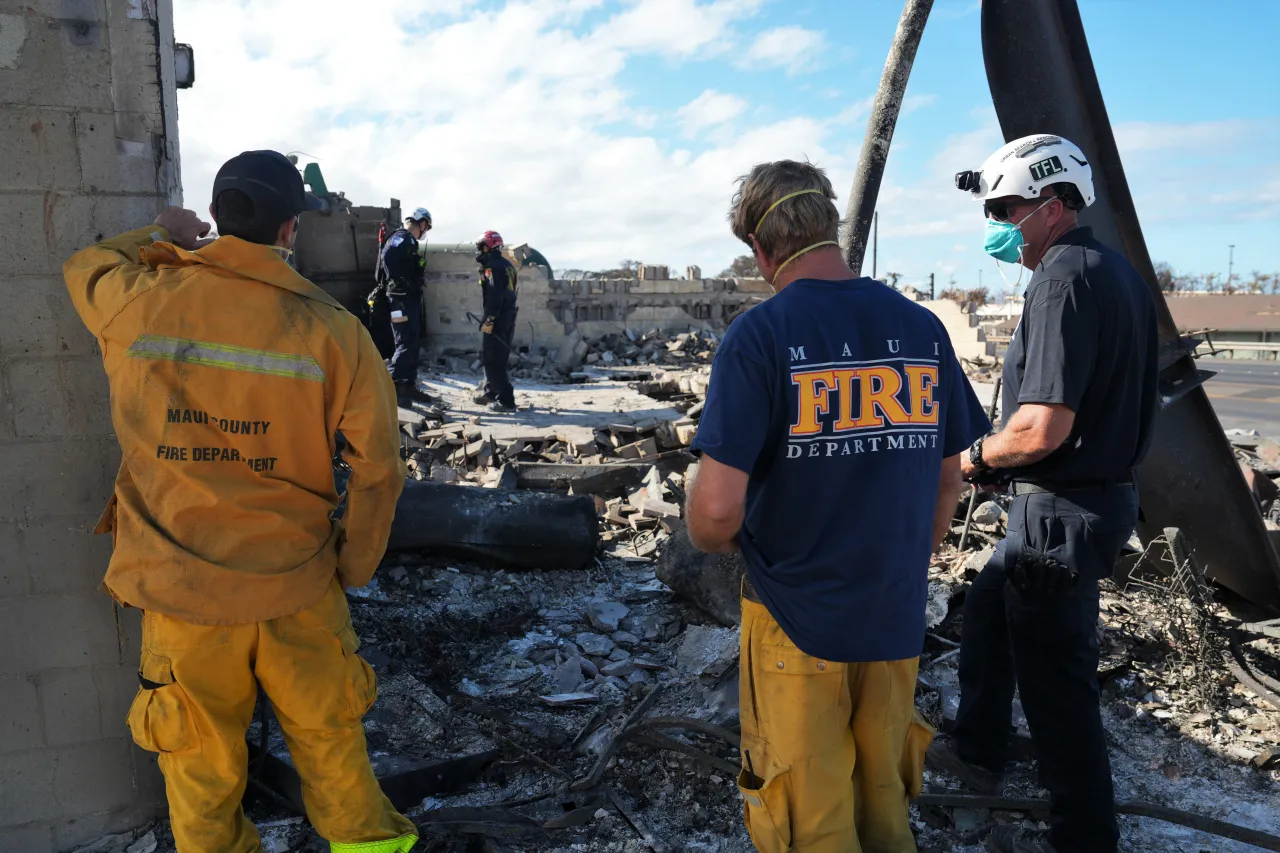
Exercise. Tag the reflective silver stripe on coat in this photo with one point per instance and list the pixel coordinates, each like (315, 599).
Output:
(227, 357)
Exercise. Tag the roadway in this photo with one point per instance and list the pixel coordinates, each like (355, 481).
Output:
(1245, 393)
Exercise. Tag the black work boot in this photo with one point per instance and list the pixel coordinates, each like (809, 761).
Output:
(504, 408)
(944, 757)
(408, 393)
(1011, 839)
(484, 398)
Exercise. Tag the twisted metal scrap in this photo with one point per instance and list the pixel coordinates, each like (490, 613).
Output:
(1201, 643)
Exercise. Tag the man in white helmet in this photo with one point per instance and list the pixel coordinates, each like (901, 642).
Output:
(1079, 401)
(401, 274)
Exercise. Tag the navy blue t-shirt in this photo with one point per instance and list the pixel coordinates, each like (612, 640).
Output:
(840, 399)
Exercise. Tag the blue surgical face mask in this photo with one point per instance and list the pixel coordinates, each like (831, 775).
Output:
(1004, 241)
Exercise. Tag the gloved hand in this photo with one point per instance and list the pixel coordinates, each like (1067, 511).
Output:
(487, 326)
(1037, 573)
(988, 477)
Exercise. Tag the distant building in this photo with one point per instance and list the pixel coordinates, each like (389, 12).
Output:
(1246, 325)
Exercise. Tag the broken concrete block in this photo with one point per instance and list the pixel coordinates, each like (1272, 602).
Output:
(618, 669)
(594, 644)
(624, 638)
(569, 700)
(639, 449)
(977, 560)
(685, 433)
(988, 512)
(707, 650)
(145, 844)
(712, 582)
(605, 615)
(653, 508)
(567, 677)
(572, 351)
(936, 604)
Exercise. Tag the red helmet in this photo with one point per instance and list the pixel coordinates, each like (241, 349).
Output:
(490, 240)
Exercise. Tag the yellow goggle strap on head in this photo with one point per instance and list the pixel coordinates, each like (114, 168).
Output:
(781, 200)
(778, 271)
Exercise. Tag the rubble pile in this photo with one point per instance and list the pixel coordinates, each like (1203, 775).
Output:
(576, 358)
(466, 453)
(981, 369)
(1183, 730)
(547, 710)
(653, 347)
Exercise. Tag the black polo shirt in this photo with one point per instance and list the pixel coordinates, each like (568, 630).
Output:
(1087, 340)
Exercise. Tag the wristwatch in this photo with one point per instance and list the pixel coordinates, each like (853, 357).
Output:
(975, 456)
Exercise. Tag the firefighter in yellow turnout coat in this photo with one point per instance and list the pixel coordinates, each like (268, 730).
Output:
(230, 375)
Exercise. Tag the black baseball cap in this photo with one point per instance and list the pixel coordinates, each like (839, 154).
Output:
(271, 181)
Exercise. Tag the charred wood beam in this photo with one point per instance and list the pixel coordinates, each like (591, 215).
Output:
(1210, 825)
(520, 529)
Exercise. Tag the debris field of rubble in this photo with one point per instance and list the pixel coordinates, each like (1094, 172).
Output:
(603, 705)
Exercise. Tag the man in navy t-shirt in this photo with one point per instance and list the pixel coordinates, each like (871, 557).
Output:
(830, 442)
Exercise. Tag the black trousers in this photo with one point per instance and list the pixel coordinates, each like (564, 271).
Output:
(408, 338)
(1048, 647)
(494, 352)
(377, 320)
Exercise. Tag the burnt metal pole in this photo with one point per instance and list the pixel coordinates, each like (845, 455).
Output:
(973, 496)
(1042, 80)
(884, 117)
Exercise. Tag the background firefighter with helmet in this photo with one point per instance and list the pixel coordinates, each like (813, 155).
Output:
(498, 286)
(400, 277)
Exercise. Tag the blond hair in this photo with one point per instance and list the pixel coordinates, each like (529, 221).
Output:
(794, 224)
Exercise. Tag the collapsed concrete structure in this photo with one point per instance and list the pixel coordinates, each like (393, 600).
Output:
(337, 250)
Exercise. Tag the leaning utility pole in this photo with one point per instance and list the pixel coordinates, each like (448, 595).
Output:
(875, 145)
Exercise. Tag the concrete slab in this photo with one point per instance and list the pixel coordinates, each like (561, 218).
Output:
(573, 412)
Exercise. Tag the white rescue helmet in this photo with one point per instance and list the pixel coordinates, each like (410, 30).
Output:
(419, 215)
(1026, 166)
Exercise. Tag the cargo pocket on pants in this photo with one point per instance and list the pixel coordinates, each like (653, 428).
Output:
(160, 717)
(362, 684)
(767, 811)
(919, 736)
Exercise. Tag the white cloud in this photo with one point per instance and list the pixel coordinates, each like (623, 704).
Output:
(794, 49)
(513, 119)
(518, 118)
(678, 28)
(710, 109)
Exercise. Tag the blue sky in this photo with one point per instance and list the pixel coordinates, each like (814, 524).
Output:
(600, 130)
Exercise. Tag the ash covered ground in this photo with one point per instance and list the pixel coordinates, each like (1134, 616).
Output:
(542, 671)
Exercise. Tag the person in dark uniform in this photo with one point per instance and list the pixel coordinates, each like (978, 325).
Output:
(498, 286)
(401, 269)
(1079, 402)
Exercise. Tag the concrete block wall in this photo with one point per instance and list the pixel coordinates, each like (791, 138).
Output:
(967, 337)
(453, 289)
(89, 142)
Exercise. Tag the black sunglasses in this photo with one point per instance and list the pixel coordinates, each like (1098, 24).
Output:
(1000, 211)
(1003, 211)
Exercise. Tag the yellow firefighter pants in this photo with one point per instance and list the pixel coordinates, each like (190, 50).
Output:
(836, 748)
(199, 687)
